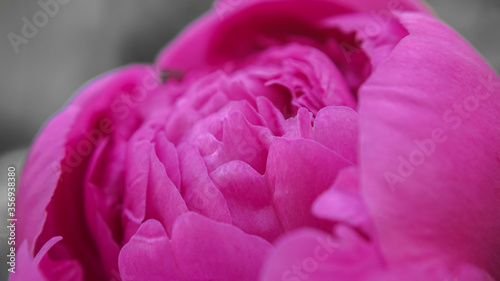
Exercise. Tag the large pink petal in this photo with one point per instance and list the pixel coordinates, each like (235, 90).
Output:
(430, 136)
(209, 250)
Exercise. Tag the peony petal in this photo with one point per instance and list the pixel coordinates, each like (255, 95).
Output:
(311, 77)
(40, 176)
(27, 267)
(297, 172)
(432, 271)
(231, 29)
(74, 131)
(197, 189)
(209, 250)
(430, 138)
(163, 200)
(343, 202)
(248, 199)
(379, 32)
(98, 207)
(147, 177)
(309, 254)
(336, 127)
(149, 255)
(167, 155)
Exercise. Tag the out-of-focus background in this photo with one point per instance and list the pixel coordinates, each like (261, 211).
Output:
(81, 39)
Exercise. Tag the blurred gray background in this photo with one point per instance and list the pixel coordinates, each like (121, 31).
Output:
(85, 38)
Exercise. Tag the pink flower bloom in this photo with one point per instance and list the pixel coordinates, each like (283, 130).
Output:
(275, 140)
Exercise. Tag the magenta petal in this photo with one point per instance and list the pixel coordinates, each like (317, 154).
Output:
(336, 127)
(248, 199)
(167, 153)
(297, 172)
(136, 183)
(234, 26)
(163, 200)
(148, 255)
(198, 190)
(432, 183)
(102, 190)
(62, 270)
(50, 193)
(27, 268)
(342, 202)
(432, 271)
(309, 254)
(40, 176)
(209, 250)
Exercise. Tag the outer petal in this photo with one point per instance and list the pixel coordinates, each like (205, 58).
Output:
(202, 42)
(430, 153)
(50, 191)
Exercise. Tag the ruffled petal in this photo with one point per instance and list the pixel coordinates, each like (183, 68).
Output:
(233, 28)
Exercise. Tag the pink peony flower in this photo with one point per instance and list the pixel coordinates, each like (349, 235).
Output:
(275, 140)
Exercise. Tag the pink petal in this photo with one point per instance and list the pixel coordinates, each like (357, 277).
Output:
(26, 266)
(62, 199)
(248, 199)
(343, 202)
(198, 190)
(429, 149)
(163, 200)
(432, 270)
(336, 127)
(149, 255)
(149, 191)
(297, 172)
(209, 250)
(98, 209)
(309, 254)
(231, 30)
